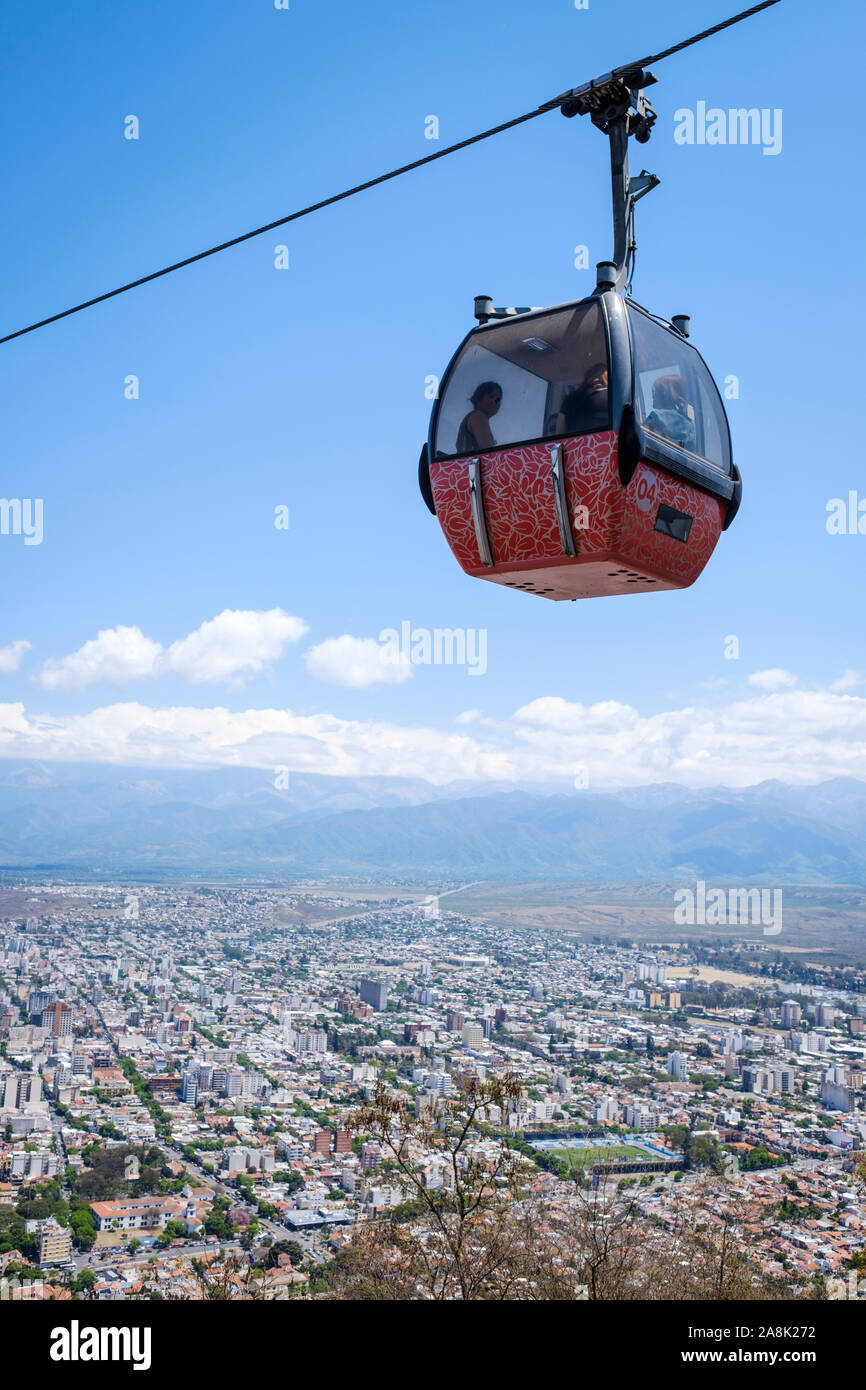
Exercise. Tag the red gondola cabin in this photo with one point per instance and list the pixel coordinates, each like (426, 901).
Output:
(580, 451)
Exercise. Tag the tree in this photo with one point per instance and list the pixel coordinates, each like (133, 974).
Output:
(677, 1135)
(226, 1279)
(703, 1151)
(292, 1248)
(217, 1222)
(290, 1178)
(477, 1234)
(173, 1230)
(83, 1225)
(84, 1281)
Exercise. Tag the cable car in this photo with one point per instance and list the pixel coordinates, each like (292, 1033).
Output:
(583, 450)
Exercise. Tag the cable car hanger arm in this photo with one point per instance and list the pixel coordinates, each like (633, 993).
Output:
(578, 101)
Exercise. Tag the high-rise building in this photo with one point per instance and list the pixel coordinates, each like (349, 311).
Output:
(21, 1088)
(791, 1013)
(38, 1000)
(55, 1243)
(835, 1093)
(606, 1111)
(322, 1142)
(677, 1066)
(63, 1079)
(371, 1153)
(189, 1088)
(472, 1034)
(374, 993)
(342, 1141)
(454, 1021)
(310, 1040)
(641, 1117)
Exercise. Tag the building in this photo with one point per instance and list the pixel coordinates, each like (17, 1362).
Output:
(38, 1000)
(55, 1243)
(57, 1019)
(134, 1214)
(606, 1112)
(21, 1088)
(342, 1142)
(791, 1013)
(374, 993)
(677, 1066)
(759, 1080)
(836, 1094)
(189, 1088)
(371, 1153)
(472, 1034)
(38, 1163)
(322, 1142)
(309, 1040)
(641, 1117)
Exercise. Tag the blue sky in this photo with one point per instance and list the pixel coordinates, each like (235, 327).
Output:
(305, 388)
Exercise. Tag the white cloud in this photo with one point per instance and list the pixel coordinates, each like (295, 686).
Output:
(10, 657)
(774, 679)
(233, 645)
(356, 662)
(801, 735)
(849, 680)
(117, 654)
(469, 716)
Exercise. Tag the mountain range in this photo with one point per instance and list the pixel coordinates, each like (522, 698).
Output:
(71, 817)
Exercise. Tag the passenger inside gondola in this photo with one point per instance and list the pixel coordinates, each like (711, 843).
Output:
(584, 409)
(475, 432)
(672, 415)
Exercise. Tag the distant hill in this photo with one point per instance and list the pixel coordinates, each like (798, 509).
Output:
(108, 819)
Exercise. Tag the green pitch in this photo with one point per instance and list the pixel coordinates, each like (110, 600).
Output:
(607, 1153)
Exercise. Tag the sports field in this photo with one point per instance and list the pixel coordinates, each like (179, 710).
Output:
(606, 1153)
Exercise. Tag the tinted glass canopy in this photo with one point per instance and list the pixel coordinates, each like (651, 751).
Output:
(525, 379)
(675, 396)
(547, 376)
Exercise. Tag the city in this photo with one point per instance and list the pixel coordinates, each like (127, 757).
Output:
(190, 1078)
